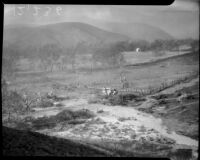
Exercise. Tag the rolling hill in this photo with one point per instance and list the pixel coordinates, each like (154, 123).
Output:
(138, 31)
(65, 35)
(30, 39)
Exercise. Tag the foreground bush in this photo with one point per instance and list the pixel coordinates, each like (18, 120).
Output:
(44, 122)
(12, 105)
(45, 103)
(71, 117)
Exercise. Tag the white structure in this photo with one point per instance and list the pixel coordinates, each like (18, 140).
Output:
(106, 91)
(137, 50)
(55, 103)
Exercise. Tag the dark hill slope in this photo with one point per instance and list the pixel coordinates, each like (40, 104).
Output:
(26, 143)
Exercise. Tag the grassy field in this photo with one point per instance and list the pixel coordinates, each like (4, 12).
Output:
(141, 76)
(144, 57)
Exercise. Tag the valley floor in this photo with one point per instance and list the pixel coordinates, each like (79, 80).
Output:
(154, 126)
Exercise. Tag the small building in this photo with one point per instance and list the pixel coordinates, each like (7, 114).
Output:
(137, 50)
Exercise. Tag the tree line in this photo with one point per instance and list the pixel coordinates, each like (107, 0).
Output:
(159, 44)
(55, 57)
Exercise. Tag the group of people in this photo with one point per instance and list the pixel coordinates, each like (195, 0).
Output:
(109, 91)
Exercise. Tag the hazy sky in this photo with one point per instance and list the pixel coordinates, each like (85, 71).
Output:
(181, 19)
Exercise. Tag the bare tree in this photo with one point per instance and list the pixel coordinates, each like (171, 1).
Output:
(29, 99)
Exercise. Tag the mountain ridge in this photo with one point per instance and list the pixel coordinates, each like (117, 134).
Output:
(138, 31)
(67, 34)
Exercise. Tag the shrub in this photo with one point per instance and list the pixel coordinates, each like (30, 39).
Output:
(28, 119)
(23, 126)
(100, 111)
(72, 117)
(29, 98)
(117, 100)
(84, 113)
(11, 120)
(76, 121)
(56, 98)
(124, 118)
(161, 96)
(59, 105)
(12, 104)
(190, 97)
(124, 99)
(44, 122)
(67, 115)
(162, 102)
(64, 115)
(45, 103)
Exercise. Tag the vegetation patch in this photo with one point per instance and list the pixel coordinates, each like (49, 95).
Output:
(60, 105)
(68, 116)
(120, 99)
(124, 119)
(44, 103)
(44, 123)
(56, 98)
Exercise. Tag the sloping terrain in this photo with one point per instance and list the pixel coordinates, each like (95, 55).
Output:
(136, 132)
(139, 31)
(181, 116)
(179, 58)
(67, 34)
(26, 143)
(167, 123)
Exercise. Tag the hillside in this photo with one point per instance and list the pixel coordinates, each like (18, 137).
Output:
(24, 143)
(139, 31)
(190, 58)
(66, 35)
